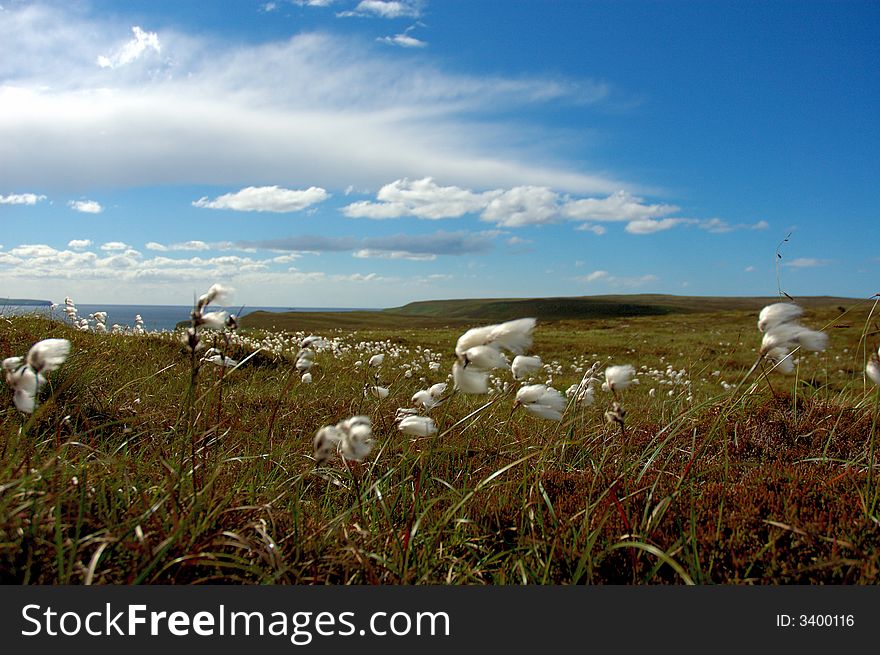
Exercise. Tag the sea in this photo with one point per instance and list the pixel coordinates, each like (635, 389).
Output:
(157, 317)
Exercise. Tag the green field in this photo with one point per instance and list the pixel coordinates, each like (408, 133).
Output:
(136, 468)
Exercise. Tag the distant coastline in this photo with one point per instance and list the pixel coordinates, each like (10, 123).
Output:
(25, 302)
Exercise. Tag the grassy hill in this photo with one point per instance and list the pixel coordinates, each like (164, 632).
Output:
(443, 313)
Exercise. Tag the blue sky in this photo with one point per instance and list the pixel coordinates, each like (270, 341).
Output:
(347, 153)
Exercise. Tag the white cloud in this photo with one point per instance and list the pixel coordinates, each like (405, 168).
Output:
(807, 262)
(32, 250)
(421, 198)
(130, 51)
(86, 206)
(403, 40)
(749, 269)
(366, 253)
(112, 246)
(316, 107)
(617, 282)
(194, 245)
(118, 276)
(595, 229)
(619, 206)
(21, 199)
(719, 226)
(358, 277)
(525, 205)
(79, 244)
(285, 259)
(595, 275)
(648, 226)
(190, 245)
(265, 199)
(385, 9)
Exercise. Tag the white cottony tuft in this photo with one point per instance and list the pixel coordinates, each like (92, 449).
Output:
(352, 438)
(377, 392)
(485, 357)
(358, 440)
(479, 350)
(541, 400)
(212, 320)
(326, 443)
(791, 335)
(430, 397)
(583, 393)
(523, 365)
(470, 380)
(872, 369)
(26, 384)
(11, 363)
(782, 335)
(217, 293)
(781, 359)
(24, 375)
(778, 313)
(418, 426)
(618, 378)
(306, 378)
(305, 358)
(376, 360)
(47, 355)
(514, 336)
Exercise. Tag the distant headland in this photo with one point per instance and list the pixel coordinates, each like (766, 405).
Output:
(25, 302)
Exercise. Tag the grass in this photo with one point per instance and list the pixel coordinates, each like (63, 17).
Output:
(126, 475)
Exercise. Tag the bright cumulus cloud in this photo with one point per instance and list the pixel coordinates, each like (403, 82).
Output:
(265, 199)
(514, 207)
(21, 199)
(421, 198)
(130, 51)
(386, 9)
(522, 206)
(86, 206)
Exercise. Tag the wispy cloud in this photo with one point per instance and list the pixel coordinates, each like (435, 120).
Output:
(367, 253)
(195, 245)
(265, 199)
(397, 246)
(626, 282)
(649, 226)
(132, 50)
(719, 226)
(86, 206)
(807, 262)
(386, 9)
(79, 244)
(115, 246)
(21, 199)
(403, 40)
(327, 109)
